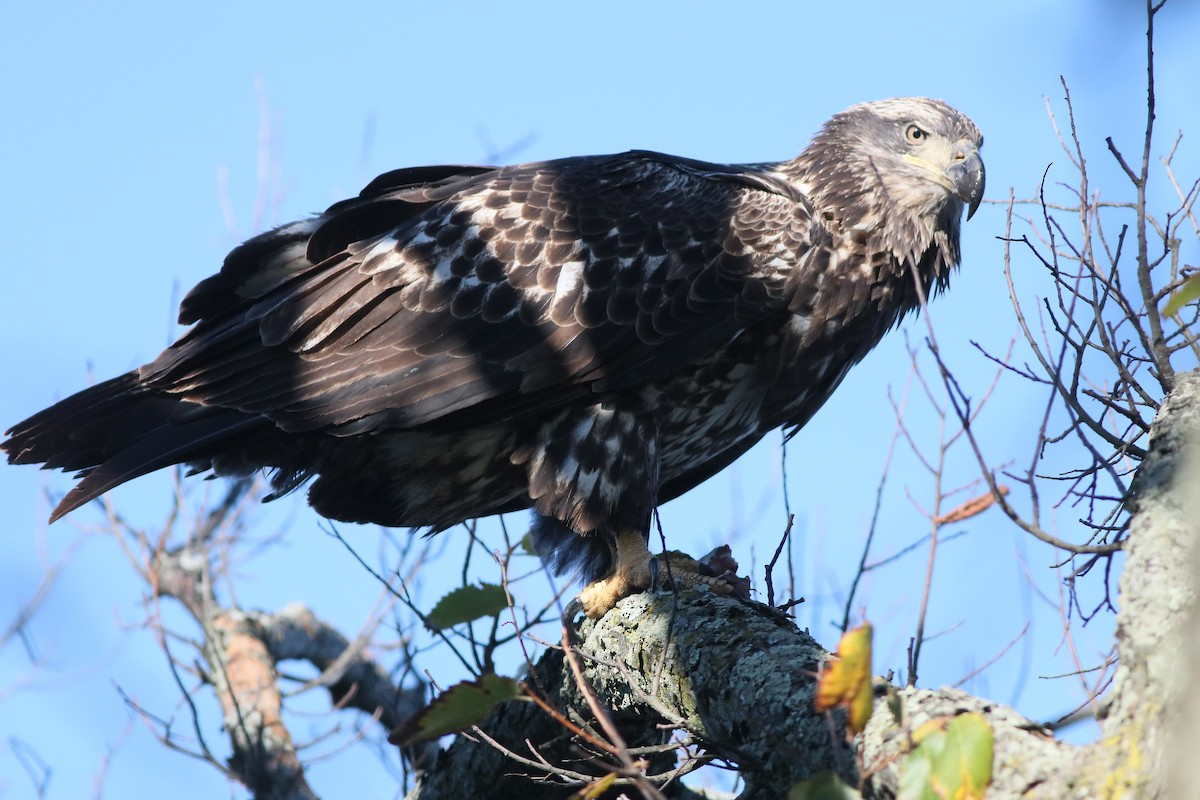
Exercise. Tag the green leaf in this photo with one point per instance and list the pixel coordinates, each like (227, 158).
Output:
(456, 709)
(825, 786)
(1187, 293)
(915, 773)
(467, 604)
(954, 761)
(964, 769)
(895, 704)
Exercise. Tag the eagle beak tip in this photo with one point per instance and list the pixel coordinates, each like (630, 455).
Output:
(969, 177)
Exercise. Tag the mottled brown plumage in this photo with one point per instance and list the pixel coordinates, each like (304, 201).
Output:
(588, 337)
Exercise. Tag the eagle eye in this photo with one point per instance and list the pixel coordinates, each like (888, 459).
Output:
(915, 134)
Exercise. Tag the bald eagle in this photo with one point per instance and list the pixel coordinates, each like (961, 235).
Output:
(587, 337)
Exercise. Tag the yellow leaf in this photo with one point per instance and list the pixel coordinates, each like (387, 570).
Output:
(931, 726)
(596, 787)
(846, 681)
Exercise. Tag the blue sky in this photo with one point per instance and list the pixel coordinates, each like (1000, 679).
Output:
(130, 166)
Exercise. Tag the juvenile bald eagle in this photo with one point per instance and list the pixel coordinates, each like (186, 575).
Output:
(588, 337)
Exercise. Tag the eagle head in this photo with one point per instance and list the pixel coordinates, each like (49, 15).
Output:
(902, 169)
(932, 151)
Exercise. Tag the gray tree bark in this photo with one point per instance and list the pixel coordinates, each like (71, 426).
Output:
(739, 681)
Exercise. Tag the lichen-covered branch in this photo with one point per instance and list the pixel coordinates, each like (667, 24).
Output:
(1027, 762)
(738, 681)
(737, 678)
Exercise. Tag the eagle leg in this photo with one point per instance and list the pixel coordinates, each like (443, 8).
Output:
(637, 570)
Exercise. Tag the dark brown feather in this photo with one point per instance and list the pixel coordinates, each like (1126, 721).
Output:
(588, 337)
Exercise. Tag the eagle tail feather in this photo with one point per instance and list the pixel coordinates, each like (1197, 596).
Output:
(119, 430)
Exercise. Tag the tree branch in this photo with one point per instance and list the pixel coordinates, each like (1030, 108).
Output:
(739, 679)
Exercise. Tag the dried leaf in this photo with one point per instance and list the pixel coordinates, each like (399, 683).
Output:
(972, 507)
(846, 681)
(467, 604)
(722, 564)
(456, 709)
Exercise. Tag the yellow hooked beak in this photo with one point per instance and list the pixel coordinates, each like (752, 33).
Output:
(962, 174)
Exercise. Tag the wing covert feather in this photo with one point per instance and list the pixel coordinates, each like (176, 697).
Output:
(488, 294)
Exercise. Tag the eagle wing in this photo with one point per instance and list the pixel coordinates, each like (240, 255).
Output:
(451, 297)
